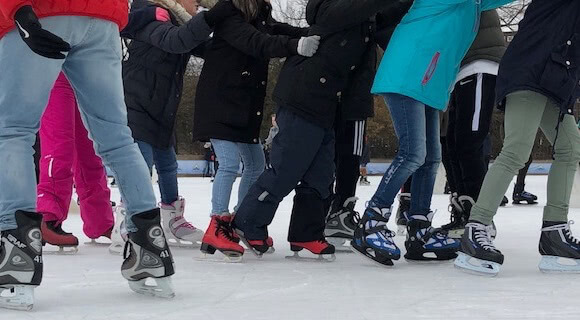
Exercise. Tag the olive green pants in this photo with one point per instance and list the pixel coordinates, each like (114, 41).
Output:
(525, 112)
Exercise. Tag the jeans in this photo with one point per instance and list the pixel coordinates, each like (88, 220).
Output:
(228, 154)
(417, 127)
(525, 111)
(93, 67)
(165, 161)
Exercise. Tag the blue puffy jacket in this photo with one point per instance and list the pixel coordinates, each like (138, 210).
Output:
(425, 52)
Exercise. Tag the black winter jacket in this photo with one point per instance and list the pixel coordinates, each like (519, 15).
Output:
(153, 73)
(544, 56)
(314, 87)
(489, 44)
(232, 87)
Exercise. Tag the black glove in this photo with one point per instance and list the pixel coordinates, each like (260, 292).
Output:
(222, 10)
(38, 39)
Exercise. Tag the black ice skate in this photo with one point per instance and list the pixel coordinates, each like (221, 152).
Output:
(402, 213)
(341, 223)
(559, 249)
(373, 239)
(364, 181)
(460, 209)
(147, 256)
(477, 253)
(504, 201)
(425, 243)
(524, 196)
(21, 262)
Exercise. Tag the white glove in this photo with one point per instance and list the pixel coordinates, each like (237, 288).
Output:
(307, 46)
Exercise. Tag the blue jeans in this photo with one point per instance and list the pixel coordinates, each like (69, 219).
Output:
(93, 67)
(417, 127)
(228, 155)
(165, 162)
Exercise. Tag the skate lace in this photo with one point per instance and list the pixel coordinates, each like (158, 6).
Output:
(568, 233)
(185, 224)
(225, 228)
(483, 238)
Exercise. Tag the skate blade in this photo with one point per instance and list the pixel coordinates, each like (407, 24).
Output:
(320, 258)
(559, 265)
(249, 246)
(179, 243)
(524, 203)
(163, 288)
(468, 264)
(401, 230)
(116, 249)
(341, 245)
(62, 251)
(388, 262)
(17, 297)
(230, 257)
(96, 243)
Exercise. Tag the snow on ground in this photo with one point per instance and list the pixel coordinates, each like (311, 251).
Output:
(89, 285)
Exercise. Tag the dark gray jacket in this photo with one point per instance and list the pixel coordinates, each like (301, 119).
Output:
(489, 44)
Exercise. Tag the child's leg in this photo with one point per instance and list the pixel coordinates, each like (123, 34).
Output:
(91, 184)
(564, 166)
(524, 111)
(166, 165)
(254, 164)
(229, 159)
(57, 147)
(349, 146)
(293, 151)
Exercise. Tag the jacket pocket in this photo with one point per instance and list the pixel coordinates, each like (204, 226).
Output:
(559, 75)
(431, 68)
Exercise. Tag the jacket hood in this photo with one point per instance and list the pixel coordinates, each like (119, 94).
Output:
(312, 10)
(175, 8)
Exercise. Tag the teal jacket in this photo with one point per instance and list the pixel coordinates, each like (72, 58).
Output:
(425, 51)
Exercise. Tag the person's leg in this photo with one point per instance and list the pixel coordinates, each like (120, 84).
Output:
(524, 112)
(293, 150)
(147, 153)
(566, 144)
(521, 179)
(349, 148)
(229, 158)
(57, 133)
(448, 146)
(254, 164)
(166, 165)
(93, 68)
(91, 184)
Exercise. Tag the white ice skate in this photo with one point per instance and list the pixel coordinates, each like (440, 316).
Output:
(17, 297)
(178, 231)
(119, 234)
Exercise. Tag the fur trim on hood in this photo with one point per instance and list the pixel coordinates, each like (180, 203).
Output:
(175, 8)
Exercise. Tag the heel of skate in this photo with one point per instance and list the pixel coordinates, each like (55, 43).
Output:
(230, 256)
(559, 265)
(476, 266)
(325, 255)
(17, 297)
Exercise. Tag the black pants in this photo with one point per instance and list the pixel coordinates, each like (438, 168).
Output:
(521, 180)
(470, 111)
(350, 140)
(302, 158)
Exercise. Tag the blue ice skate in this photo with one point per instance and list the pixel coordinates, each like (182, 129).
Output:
(373, 239)
(425, 243)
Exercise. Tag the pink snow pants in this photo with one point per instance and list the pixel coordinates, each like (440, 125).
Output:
(67, 156)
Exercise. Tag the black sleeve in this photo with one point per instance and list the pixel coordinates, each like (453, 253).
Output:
(279, 28)
(138, 19)
(338, 15)
(387, 21)
(246, 38)
(173, 39)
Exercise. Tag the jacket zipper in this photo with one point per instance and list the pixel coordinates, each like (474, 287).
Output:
(477, 16)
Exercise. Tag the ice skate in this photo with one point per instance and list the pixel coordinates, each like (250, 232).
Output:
(53, 235)
(257, 247)
(460, 209)
(147, 257)
(21, 262)
(402, 213)
(179, 232)
(559, 249)
(364, 181)
(478, 254)
(425, 243)
(102, 241)
(119, 233)
(322, 248)
(220, 236)
(373, 239)
(525, 197)
(340, 225)
(504, 201)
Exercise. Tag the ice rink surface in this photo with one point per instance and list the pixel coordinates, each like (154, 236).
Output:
(89, 285)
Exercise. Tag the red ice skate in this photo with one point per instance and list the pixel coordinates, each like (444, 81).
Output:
(322, 248)
(53, 234)
(220, 236)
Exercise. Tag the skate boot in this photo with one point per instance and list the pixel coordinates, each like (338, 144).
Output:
(460, 208)
(364, 181)
(53, 234)
(402, 213)
(220, 236)
(478, 254)
(178, 231)
(147, 256)
(257, 247)
(504, 201)
(119, 233)
(524, 196)
(559, 249)
(425, 243)
(322, 248)
(341, 223)
(21, 262)
(96, 242)
(373, 239)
